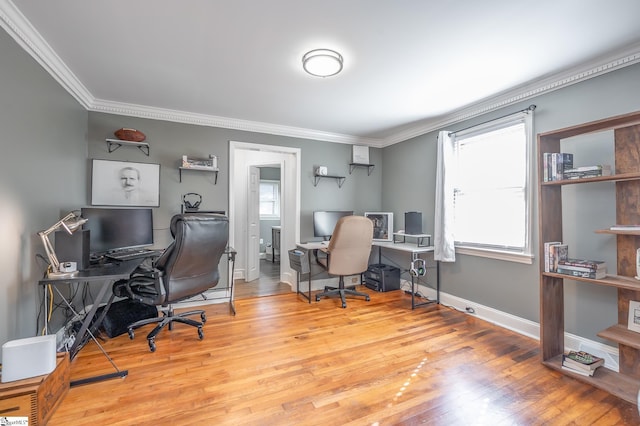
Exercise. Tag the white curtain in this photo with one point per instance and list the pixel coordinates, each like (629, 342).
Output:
(444, 249)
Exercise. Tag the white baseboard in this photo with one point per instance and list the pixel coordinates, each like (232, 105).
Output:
(522, 326)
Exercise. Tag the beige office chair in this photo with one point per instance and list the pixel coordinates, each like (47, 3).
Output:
(347, 254)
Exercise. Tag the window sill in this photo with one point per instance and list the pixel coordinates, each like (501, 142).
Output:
(496, 254)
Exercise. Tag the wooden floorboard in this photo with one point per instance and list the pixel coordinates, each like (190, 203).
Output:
(283, 361)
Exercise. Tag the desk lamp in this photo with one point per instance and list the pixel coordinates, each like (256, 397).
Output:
(69, 223)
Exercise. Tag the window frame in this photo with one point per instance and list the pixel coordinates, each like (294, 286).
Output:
(525, 254)
(277, 202)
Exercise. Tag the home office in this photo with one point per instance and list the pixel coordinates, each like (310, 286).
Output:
(56, 129)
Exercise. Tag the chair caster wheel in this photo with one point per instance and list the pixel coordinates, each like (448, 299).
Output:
(200, 333)
(152, 345)
(367, 298)
(344, 305)
(131, 334)
(317, 298)
(203, 317)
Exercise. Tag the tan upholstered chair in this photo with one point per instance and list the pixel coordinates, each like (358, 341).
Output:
(347, 254)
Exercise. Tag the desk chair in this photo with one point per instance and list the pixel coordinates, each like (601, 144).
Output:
(347, 254)
(187, 268)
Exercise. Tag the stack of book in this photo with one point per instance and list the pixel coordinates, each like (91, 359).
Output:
(595, 269)
(554, 252)
(555, 164)
(587, 171)
(581, 362)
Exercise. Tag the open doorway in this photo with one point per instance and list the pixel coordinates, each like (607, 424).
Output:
(246, 160)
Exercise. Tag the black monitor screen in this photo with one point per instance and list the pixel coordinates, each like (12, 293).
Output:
(117, 229)
(324, 222)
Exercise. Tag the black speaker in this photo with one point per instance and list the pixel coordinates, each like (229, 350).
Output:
(73, 247)
(413, 223)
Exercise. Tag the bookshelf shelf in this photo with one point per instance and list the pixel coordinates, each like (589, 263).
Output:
(626, 130)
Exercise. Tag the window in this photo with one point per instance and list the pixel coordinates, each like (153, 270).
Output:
(492, 195)
(269, 199)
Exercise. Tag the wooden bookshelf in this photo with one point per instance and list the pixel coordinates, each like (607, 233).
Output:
(626, 178)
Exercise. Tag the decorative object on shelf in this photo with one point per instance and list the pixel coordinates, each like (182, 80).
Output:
(322, 171)
(360, 154)
(131, 135)
(121, 183)
(70, 223)
(210, 163)
(191, 201)
(382, 225)
(322, 62)
(634, 316)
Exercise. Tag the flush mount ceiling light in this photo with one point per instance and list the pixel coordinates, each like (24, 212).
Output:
(322, 62)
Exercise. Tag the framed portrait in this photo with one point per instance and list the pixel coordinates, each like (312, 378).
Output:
(382, 225)
(122, 183)
(634, 316)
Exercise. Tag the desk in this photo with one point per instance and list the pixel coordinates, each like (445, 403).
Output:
(415, 250)
(105, 276)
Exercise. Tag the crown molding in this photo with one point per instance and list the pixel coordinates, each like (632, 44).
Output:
(16, 24)
(614, 61)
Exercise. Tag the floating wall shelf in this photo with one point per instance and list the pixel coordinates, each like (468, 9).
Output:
(113, 144)
(340, 179)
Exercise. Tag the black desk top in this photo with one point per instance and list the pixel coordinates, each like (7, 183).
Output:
(109, 271)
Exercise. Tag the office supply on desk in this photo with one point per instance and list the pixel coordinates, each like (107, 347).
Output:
(348, 254)
(70, 223)
(187, 268)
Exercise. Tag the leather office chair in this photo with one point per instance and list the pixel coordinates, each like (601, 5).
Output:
(187, 268)
(347, 254)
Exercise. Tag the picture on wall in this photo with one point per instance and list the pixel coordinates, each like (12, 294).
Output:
(122, 183)
(634, 316)
(382, 225)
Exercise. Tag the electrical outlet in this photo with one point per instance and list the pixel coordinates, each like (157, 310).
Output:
(354, 280)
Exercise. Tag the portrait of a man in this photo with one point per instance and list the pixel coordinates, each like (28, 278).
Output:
(119, 183)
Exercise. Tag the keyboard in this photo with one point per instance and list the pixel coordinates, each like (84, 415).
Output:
(132, 254)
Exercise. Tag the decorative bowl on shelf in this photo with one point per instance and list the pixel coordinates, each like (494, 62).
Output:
(130, 135)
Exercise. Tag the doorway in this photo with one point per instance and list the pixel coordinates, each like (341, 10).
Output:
(244, 159)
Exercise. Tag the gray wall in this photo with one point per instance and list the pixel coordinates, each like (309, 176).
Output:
(408, 184)
(43, 169)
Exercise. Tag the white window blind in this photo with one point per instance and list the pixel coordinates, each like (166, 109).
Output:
(492, 195)
(269, 199)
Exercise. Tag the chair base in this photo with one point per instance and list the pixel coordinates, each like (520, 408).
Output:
(342, 292)
(167, 319)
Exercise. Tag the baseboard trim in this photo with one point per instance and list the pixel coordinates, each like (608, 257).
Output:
(521, 326)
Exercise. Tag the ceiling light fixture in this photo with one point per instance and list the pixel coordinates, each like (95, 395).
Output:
(322, 62)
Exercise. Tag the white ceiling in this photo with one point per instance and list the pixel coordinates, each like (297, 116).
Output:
(410, 65)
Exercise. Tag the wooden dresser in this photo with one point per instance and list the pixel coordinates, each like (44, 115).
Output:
(37, 397)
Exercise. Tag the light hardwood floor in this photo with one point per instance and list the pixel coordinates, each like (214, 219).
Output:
(283, 361)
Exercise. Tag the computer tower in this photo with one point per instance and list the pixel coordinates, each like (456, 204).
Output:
(381, 277)
(73, 247)
(413, 223)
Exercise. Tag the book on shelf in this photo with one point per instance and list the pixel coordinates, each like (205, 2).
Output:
(557, 252)
(547, 254)
(584, 263)
(582, 360)
(582, 269)
(587, 171)
(594, 275)
(581, 372)
(625, 228)
(555, 164)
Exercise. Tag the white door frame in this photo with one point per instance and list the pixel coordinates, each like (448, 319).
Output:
(242, 155)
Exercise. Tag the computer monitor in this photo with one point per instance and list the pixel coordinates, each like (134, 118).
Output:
(114, 229)
(325, 221)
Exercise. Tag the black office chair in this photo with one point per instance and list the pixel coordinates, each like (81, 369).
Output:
(187, 268)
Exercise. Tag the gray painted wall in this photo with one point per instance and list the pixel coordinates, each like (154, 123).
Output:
(43, 170)
(408, 184)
